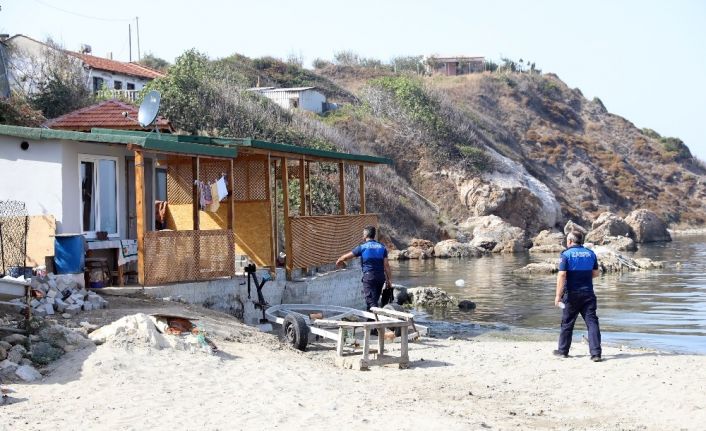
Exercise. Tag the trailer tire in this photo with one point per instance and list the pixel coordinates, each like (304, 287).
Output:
(295, 331)
(396, 307)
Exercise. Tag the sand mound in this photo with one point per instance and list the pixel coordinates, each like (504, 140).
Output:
(140, 331)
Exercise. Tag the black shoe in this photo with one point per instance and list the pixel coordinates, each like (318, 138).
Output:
(559, 354)
(596, 358)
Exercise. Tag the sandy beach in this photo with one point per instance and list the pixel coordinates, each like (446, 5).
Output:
(256, 383)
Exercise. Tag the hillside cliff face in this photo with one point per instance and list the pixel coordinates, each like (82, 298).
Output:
(523, 147)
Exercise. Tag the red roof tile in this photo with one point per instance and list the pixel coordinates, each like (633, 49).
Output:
(108, 115)
(132, 69)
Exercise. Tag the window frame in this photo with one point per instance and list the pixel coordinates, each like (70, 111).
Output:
(95, 158)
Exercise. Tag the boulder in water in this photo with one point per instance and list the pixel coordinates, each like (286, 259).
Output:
(548, 242)
(608, 225)
(466, 305)
(453, 248)
(647, 226)
(430, 296)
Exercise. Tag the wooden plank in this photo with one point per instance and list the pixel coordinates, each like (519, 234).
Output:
(308, 185)
(361, 174)
(371, 325)
(273, 210)
(381, 342)
(342, 187)
(302, 188)
(366, 343)
(341, 340)
(231, 198)
(40, 239)
(195, 192)
(140, 210)
(388, 312)
(404, 343)
(285, 214)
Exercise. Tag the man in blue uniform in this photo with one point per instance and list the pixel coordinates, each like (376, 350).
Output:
(374, 264)
(574, 289)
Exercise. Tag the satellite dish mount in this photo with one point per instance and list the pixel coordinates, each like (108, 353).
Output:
(149, 108)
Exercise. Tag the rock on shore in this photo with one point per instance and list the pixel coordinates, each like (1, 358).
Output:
(647, 226)
(430, 296)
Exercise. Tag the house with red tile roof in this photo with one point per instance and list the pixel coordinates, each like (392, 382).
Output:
(103, 75)
(110, 114)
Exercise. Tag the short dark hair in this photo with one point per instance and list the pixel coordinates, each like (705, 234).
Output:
(369, 232)
(575, 236)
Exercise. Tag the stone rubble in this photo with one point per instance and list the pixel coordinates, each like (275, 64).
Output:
(61, 295)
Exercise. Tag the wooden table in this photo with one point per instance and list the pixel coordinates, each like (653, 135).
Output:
(117, 246)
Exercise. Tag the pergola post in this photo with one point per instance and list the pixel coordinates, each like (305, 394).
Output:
(140, 209)
(341, 180)
(195, 192)
(285, 214)
(361, 174)
(231, 197)
(308, 186)
(302, 189)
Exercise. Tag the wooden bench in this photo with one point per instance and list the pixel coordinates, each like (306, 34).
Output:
(393, 319)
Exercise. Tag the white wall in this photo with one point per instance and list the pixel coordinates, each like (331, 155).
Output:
(311, 100)
(33, 176)
(109, 79)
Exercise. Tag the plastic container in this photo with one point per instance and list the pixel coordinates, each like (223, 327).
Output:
(69, 254)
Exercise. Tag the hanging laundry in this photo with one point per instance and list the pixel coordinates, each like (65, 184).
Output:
(222, 188)
(213, 207)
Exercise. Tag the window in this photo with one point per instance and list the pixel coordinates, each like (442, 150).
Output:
(118, 85)
(98, 185)
(160, 184)
(97, 84)
(130, 86)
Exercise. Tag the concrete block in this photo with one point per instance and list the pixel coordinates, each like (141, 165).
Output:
(73, 309)
(52, 293)
(49, 300)
(49, 308)
(34, 303)
(39, 312)
(88, 306)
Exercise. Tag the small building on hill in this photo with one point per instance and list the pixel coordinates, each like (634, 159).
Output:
(305, 98)
(452, 66)
(24, 58)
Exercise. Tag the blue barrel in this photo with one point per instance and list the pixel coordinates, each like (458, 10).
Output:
(69, 254)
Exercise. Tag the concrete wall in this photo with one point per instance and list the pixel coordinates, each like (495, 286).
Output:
(311, 100)
(33, 176)
(340, 287)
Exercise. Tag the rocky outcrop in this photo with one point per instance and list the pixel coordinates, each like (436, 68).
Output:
(607, 225)
(548, 242)
(454, 248)
(493, 234)
(430, 297)
(548, 266)
(609, 260)
(420, 249)
(647, 226)
(571, 226)
(620, 243)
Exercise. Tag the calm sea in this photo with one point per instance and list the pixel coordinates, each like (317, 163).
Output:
(663, 309)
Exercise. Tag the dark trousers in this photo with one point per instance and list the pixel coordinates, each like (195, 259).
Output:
(372, 287)
(583, 303)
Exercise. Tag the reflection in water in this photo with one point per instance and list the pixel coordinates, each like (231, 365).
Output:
(664, 308)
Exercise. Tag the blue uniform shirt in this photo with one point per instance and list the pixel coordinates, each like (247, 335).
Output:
(579, 263)
(372, 255)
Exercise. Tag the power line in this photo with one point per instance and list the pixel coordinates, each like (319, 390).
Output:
(82, 15)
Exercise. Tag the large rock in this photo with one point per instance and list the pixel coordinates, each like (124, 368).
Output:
(397, 255)
(607, 225)
(430, 297)
(16, 353)
(571, 226)
(548, 266)
(620, 243)
(3, 354)
(15, 339)
(7, 370)
(27, 373)
(43, 353)
(647, 226)
(548, 242)
(454, 248)
(491, 233)
(420, 249)
(64, 338)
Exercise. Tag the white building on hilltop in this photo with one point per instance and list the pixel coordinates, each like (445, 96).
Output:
(305, 98)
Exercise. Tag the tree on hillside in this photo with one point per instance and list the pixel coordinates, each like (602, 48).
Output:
(53, 81)
(152, 61)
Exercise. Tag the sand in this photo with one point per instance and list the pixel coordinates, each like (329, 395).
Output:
(254, 383)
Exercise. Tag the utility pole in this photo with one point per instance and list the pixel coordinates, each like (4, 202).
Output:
(129, 40)
(137, 28)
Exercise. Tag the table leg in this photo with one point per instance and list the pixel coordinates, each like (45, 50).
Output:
(403, 344)
(366, 343)
(339, 346)
(121, 283)
(381, 341)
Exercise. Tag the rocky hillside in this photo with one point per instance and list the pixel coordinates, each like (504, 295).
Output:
(524, 147)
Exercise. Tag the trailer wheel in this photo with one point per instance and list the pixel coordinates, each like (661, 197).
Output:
(295, 331)
(396, 307)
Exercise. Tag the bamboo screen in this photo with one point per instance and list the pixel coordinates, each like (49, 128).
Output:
(320, 240)
(188, 255)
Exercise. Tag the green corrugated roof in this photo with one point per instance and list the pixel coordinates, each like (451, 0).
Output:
(149, 141)
(253, 143)
(183, 144)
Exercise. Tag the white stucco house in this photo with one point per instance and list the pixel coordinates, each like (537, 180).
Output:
(305, 98)
(24, 60)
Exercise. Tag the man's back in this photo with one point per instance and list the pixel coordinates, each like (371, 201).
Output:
(579, 263)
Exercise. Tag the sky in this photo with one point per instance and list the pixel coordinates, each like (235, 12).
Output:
(646, 60)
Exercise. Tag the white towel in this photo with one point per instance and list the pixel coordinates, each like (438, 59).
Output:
(222, 189)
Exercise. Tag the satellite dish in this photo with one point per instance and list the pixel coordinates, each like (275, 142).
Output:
(148, 109)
